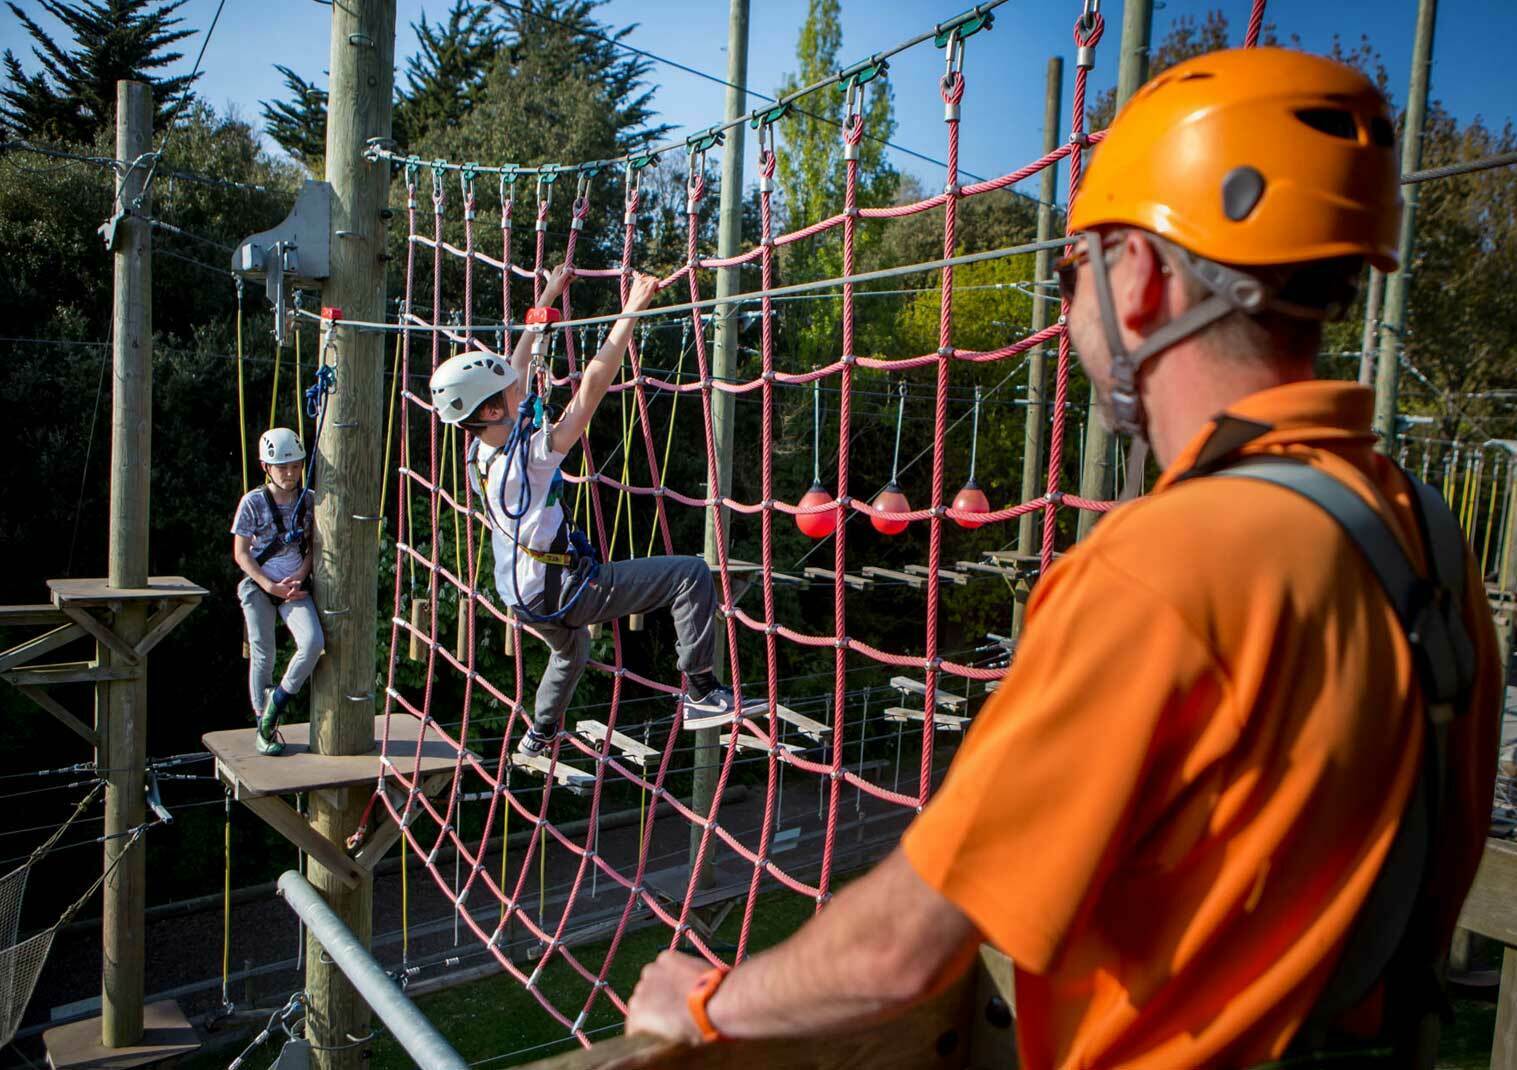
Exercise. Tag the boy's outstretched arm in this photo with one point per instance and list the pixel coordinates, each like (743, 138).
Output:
(521, 357)
(601, 371)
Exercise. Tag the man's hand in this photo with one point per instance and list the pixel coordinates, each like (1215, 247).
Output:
(557, 282)
(284, 590)
(298, 593)
(659, 1002)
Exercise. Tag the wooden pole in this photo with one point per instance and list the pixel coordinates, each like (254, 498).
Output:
(348, 478)
(123, 727)
(1393, 327)
(1033, 469)
(1368, 346)
(724, 366)
(1097, 477)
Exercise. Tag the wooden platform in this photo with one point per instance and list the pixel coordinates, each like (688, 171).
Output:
(749, 741)
(251, 775)
(258, 781)
(576, 780)
(99, 592)
(166, 1034)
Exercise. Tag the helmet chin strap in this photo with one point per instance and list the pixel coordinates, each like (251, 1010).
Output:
(1232, 291)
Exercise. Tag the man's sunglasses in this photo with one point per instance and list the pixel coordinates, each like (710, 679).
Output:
(1067, 267)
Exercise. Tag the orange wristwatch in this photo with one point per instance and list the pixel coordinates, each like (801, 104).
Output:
(700, 995)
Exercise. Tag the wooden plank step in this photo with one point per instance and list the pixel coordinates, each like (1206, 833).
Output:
(630, 748)
(991, 686)
(943, 574)
(993, 570)
(891, 574)
(576, 780)
(858, 583)
(805, 725)
(948, 722)
(917, 687)
(749, 741)
(1012, 557)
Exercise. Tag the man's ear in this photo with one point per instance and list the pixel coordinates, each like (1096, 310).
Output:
(1138, 282)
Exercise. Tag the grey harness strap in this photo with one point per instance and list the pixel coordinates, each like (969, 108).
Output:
(1430, 613)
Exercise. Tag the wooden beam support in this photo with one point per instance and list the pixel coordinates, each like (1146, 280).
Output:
(163, 622)
(54, 707)
(127, 652)
(381, 839)
(67, 672)
(33, 649)
(993, 1017)
(283, 819)
(576, 780)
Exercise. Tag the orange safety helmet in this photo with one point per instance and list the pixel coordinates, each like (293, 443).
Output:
(1254, 157)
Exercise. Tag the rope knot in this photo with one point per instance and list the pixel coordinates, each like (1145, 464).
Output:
(953, 87)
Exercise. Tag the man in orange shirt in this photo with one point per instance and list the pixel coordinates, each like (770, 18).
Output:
(1179, 801)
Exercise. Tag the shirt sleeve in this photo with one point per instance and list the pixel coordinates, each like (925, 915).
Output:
(542, 457)
(1046, 788)
(246, 522)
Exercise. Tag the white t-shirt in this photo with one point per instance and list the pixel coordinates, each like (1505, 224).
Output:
(255, 523)
(539, 526)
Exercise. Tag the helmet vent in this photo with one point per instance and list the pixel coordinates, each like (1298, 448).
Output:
(1334, 122)
(1241, 190)
(1381, 132)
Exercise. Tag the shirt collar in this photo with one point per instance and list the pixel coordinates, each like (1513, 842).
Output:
(1304, 413)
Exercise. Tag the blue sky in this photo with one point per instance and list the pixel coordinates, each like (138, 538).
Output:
(1004, 69)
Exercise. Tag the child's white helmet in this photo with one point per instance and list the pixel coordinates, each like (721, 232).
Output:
(278, 445)
(460, 383)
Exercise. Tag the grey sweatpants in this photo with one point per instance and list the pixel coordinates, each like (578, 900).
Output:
(305, 625)
(623, 587)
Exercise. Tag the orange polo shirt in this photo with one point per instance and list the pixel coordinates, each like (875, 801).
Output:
(1170, 812)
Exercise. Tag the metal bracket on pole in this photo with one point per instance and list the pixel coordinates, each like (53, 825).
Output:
(295, 253)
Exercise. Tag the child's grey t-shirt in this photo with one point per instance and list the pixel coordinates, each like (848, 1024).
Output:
(255, 522)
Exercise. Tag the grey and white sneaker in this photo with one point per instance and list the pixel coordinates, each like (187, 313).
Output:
(533, 744)
(720, 701)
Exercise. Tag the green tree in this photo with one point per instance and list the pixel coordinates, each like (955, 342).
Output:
(298, 123)
(444, 78)
(74, 95)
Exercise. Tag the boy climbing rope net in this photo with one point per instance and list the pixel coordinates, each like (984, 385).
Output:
(271, 543)
(545, 567)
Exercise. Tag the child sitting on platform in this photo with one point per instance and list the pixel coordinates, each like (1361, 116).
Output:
(543, 566)
(272, 544)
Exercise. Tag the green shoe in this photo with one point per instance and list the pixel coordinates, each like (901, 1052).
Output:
(270, 746)
(268, 720)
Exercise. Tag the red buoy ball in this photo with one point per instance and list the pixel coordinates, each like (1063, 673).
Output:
(970, 499)
(816, 525)
(890, 500)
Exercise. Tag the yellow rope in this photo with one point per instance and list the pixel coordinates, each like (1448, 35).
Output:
(242, 412)
(226, 901)
(663, 472)
(505, 851)
(384, 473)
(405, 904)
(458, 543)
(542, 876)
(274, 393)
(1472, 494)
(1490, 518)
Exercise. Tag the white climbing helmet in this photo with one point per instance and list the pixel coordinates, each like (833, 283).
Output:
(460, 383)
(279, 445)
